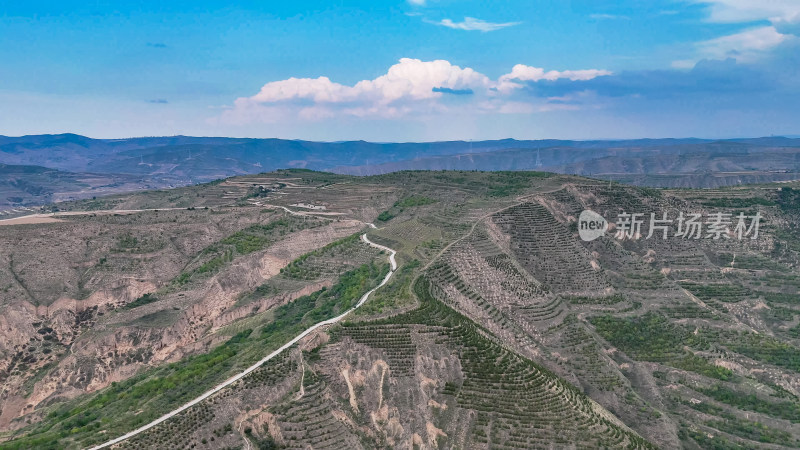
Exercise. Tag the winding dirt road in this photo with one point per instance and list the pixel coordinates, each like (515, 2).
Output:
(255, 366)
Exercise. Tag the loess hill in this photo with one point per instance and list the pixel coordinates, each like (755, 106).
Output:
(501, 328)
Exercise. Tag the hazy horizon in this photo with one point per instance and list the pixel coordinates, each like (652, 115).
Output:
(610, 139)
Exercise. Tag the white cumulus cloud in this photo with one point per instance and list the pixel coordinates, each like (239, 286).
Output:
(410, 79)
(527, 73)
(752, 44)
(744, 46)
(411, 86)
(747, 46)
(521, 72)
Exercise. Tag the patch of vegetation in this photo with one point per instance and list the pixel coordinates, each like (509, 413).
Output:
(789, 200)
(708, 442)
(262, 443)
(309, 177)
(777, 313)
(245, 243)
(605, 300)
(214, 264)
(763, 348)
(754, 431)
(132, 244)
(143, 300)
(396, 293)
(402, 204)
(504, 184)
(263, 291)
(750, 402)
(737, 202)
(158, 319)
(650, 192)
(690, 311)
(257, 237)
(414, 200)
(652, 338)
(261, 191)
(779, 297)
(385, 216)
(251, 239)
(708, 408)
(127, 241)
(786, 239)
(327, 303)
(305, 267)
(781, 281)
(728, 293)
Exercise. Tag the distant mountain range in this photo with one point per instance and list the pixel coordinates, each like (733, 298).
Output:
(114, 165)
(666, 163)
(201, 159)
(27, 186)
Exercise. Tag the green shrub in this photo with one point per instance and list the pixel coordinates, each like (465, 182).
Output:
(143, 300)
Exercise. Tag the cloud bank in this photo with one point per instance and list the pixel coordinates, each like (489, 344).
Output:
(752, 44)
(410, 87)
(737, 11)
(715, 97)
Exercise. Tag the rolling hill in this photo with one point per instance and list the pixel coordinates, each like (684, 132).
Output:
(501, 327)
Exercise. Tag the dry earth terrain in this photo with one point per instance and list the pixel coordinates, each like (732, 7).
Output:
(501, 328)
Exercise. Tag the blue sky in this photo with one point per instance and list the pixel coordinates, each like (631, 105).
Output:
(402, 70)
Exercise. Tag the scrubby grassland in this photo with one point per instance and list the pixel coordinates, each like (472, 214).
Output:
(652, 338)
(251, 239)
(401, 205)
(500, 328)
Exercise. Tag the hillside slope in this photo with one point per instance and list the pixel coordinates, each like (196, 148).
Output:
(501, 327)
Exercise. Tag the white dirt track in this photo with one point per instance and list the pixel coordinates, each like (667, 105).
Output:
(255, 366)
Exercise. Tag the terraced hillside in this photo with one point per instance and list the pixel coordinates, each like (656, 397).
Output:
(500, 328)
